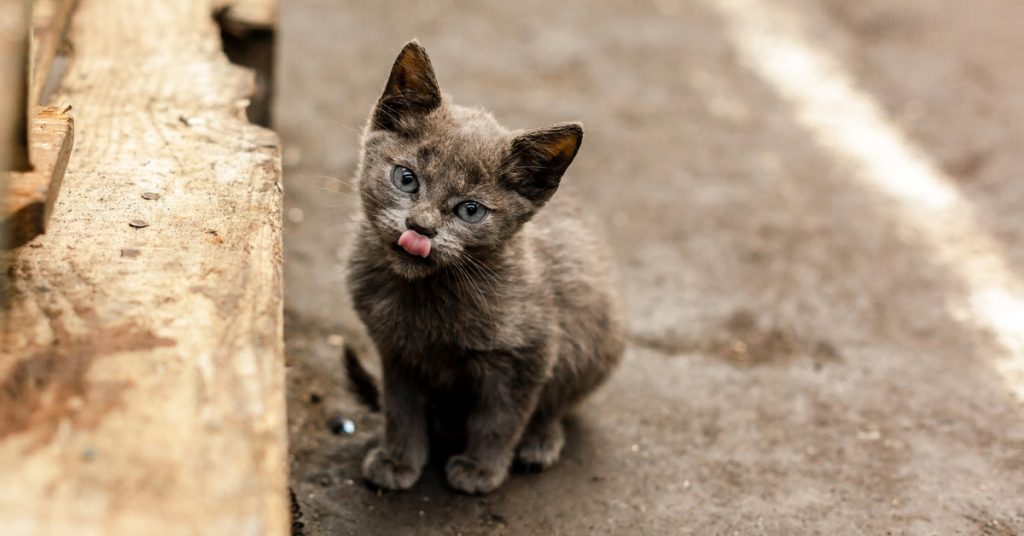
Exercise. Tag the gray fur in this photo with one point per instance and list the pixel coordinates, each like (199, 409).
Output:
(509, 322)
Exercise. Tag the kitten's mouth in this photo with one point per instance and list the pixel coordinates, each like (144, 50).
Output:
(409, 257)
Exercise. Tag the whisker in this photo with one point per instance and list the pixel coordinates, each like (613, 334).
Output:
(347, 127)
(480, 270)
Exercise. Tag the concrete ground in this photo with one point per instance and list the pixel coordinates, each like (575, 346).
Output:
(815, 207)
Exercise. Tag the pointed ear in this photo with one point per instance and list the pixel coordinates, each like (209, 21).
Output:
(411, 90)
(537, 160)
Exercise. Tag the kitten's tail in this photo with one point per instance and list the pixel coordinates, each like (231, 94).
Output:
(360, 382)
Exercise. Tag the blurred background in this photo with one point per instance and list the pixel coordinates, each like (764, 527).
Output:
(815, 211)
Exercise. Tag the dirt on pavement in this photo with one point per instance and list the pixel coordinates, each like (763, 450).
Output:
(797, 362)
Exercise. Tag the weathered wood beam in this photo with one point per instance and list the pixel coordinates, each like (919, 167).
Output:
(50, 20)
(30, 195)
(32, 190)
(14, 86)
(141, 358)
(247, 29)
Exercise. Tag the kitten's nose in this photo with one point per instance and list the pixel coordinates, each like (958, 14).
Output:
(424, 218)
(418, 226)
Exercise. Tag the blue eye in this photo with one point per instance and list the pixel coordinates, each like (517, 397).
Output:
(471, 211)
(404, 179)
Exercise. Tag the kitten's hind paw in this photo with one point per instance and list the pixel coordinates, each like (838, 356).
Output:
(387, 473)
(540, 447)
(469, 476)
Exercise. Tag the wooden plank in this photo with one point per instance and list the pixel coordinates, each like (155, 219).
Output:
(14, 53)
(247, 28)
(141, 369)
(30, 195)
(49, 26)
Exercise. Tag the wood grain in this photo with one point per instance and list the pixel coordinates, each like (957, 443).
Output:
(141, 369)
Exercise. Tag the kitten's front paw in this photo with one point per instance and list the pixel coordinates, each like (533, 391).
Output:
(385, 472)
(470, 476)
(538, 450)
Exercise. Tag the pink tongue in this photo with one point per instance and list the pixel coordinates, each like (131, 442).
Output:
(414, 243)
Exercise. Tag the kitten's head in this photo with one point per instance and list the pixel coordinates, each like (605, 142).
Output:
(443, 184)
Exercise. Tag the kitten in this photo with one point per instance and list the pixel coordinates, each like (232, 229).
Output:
(492, 312)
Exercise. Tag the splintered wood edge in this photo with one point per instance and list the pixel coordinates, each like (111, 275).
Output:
(28, 201)
(28, 196)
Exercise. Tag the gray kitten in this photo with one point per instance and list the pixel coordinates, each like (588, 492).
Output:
(490, 307)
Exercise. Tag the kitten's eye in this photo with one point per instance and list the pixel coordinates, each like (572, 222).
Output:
(405, 179)
(471, 211)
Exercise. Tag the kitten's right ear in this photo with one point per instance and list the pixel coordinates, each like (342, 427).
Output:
(411, 90)
(537, 160)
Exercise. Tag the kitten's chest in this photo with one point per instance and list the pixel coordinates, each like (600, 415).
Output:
(420, 318)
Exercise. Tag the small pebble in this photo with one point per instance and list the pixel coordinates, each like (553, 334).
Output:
(335, 340)
(315, 398)
(130, 252)
(138, 224)
(150, 196)
(340, 425)
(89, 454)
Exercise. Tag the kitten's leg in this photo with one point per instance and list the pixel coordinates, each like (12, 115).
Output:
(492, 430)
(542, 442)
(398, 461)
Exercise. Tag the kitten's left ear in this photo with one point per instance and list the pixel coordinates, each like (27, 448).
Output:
(537, 160)
(411, 89)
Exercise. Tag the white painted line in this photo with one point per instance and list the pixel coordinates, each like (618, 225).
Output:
(849, 122)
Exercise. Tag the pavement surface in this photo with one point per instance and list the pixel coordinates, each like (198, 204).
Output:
(815, 208)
